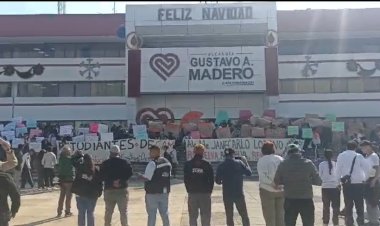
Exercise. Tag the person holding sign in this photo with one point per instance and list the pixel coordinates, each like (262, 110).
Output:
(10, 160)
(230, 173)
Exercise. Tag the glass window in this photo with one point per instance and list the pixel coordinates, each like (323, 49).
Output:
(83, 89)
(339, 85)
(305, 86)
(66, 89)
(107, 89)
(322, 85)
(50, 89)
(355, 85)
(37, 89)
(288, 86)
(371, 84)
(5, 89)
(6, 51)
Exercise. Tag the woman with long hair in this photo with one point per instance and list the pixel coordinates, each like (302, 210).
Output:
(88, 188)
(330, 188)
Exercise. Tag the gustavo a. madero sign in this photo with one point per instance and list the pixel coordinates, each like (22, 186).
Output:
(203, 69)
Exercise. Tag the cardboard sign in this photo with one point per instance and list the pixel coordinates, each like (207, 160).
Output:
(21, 131)
(221, 117)
(156, 127)
(173, 128)
(35, 133)
(206, 129)
(10, 135)
(83, 131)
(31, 123)
(331, 117)
(35, 146)
(338, 126)
(246, 131)
(17, 141)
(66, 130)
(17, 120)
(293, 130)
(195, 135)
(10, 126)
(102, 128)
(258, 132)
(79, 138)
(107, 136)
(140, 132)
(307, 133)
(223, 133)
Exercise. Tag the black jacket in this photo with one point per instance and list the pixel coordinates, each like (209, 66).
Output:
(230, 173)
(115, 169)
(198, 176)
(8, 188)
(85, 185)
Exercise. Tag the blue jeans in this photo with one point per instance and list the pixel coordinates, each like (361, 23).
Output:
(86, 206)
(160, 202)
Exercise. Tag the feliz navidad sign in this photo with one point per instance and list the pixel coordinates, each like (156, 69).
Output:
(203, 69)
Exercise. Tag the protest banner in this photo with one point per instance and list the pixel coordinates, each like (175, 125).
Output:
(39, 139)
(35, 133)
(338, 126)
(195, 135)
(10, 126)
(35, 146)
(223, 132)
(131, 149)
(173, 128)
(248, 147)
(140, 132)
(258, 132)
(91, 138)
(293, 130)
(102, 128)
(10, 135)
(156, 127)
(66, 130)
(17, 141)
(83, 130)
(221, 117)
(206, 129)
(246, 131)
(79, 138)
(21, 131)
(106, 136)
(31, 123)
(307, 133)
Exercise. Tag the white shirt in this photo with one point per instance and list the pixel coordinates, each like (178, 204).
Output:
(328, 180)
(149, 170)
(26, 160)
(173, 154)
(360, 170)
(49, 160)
(373, 160)
(267, 167)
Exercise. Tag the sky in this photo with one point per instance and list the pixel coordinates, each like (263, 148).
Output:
(108, 7)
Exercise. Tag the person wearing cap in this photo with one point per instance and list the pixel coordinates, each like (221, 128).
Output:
(330, 188)
(199, 182)
(230, 173)
(272, 199)
(11, 160)
(353, 166)
(157, 187)
(115, 172)
(371, 193)
(297, 175)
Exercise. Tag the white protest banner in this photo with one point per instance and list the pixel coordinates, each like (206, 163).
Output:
(10, 135)
(39, 139)
(248, 147)
(90, 138)
(106, 136)
(65, 130)
(139, 132)
(102, 128)
(83, 130)
(17, 120)
(131, 149)
(35, 146)
(79, 138)
(16, 142)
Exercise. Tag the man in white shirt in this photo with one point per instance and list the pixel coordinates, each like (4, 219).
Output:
(272, 199)
(49, 161)
(372, 185)
(353, 192)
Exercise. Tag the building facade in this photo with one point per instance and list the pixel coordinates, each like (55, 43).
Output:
(74, 68)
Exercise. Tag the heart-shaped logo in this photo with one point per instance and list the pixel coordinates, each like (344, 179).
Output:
(164, 64)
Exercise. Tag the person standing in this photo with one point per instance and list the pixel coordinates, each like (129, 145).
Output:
(199, 182)
(230, 173)
(330, 189)
(272, 199)
(40, 170)
(66, 176)
(372, 187)
(87, 186)
(26, 166)
(115, 172)
(351, 170)
(157, 187)
(49, 161)
(8, 189)
(171, 156)
(297, 175)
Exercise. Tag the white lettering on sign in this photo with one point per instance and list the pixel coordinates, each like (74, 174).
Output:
(215, 13)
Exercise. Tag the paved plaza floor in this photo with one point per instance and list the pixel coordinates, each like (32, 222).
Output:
(40, 209)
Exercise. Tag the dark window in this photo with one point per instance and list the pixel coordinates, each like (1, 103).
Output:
(45, 89)
(5, 89)
(107, 89)
(66, 89)
(83, 89)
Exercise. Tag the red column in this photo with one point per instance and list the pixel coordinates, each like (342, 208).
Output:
(271, 71)
(134, 73)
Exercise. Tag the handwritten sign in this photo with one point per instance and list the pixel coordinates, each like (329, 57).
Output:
(293, 130)
(10, 126)
(10, 135)
(66, 130)
(338, 126)
(83, 130)
(31, 123)
(79, 138)
(307, 133)
(21, 131)
(35, 146)
(35, 133)
(331, 117)
(221, 117)
(106, 136)
(17, 120)
(16, 142)
(102, 128)
(139, 132)
(91, 138)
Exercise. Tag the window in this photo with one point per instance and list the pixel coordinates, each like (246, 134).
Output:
(322, 85)
(355, 85)
(107, 89)
(5, 51)
(339, 85)
(66, 89)
(371, 84)
(38, 89)
(305, 86)
(83, 89)
(5, 89)
(288, 86)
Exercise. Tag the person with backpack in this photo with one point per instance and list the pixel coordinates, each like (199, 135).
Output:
(66, 176)
(330, 189)
(351, 170)
(87, 186)
(8, 189)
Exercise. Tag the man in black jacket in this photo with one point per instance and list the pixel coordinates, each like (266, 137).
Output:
(230, 173)
(8, 188)
(199, 182)
(115, 172)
